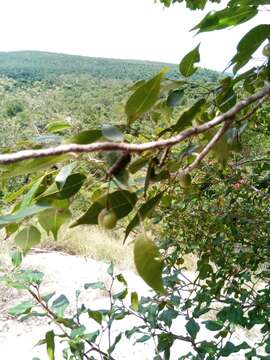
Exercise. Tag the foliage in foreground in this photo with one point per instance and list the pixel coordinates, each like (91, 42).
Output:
(156, 178)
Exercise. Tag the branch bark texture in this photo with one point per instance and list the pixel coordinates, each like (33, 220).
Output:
(137, 148)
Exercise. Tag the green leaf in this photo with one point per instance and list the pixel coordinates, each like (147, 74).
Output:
(120, 295)
(63, 174)
(110, 270)
(234, 314)
(226, 100)
(192, 328)
(72, 185)
(249, 44)
(175, 98)
(188, 116)
(213, 325)
(27, 238)
(92, 336)
(144, 98)
(22, 308)
(91, 215)
(121, 279)
(16, 194)
(30, 195)
(48, 297)
(230, 16)
(144, 210)
(112, 133)
(168, 316)
(267, 346)
(137, 164)
(205, 270)
(31, 166)
(116, 341)
(77, 332)
(148, 263)
(53, 219)
(96, 285)
(143, 339)
(30, 277)
(230, 348)
(137, 85)
(50, 345)
(57, 126)
(120, 202)
(95, 315)
(186, 66)
(165, 341)
(85, 137)
(16, 258)
(59, 305)
(134, 301)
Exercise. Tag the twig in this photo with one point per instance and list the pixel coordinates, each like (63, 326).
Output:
(252, 112)
(137, 148)
(205, 150)
(164, 157)
(258, 191)
(240, 163)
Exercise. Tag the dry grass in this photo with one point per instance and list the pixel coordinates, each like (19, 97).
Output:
(88, 241)
(92, 242)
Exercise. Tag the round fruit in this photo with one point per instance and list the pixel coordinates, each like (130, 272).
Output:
(107, 219)
(266, 50)
(185, 181)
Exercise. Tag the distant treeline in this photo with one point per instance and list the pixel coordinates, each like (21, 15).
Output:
(35, 66)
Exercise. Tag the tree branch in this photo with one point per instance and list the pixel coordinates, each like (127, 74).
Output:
(243, 162)
(136, 148)
(206, 149)
(254, 110)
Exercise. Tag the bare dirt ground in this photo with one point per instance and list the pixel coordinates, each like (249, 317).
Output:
(68, 273)
(65, 273)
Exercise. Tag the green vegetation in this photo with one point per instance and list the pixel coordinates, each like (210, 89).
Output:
(178, 163)
(37, 66)
(83, 91)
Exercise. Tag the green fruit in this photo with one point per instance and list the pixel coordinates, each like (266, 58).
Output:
(185, 181)
(266, 50)
(148, 262)
(107, 219)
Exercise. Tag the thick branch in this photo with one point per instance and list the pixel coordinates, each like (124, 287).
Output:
(137, 148)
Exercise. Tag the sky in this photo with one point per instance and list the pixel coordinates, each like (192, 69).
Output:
(124, 29)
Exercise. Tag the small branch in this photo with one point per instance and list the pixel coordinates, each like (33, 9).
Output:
(206, 150)
(240, 163)
(136, 148)
(119, 165)
(164, 157)
(258, 191)
(253, 111)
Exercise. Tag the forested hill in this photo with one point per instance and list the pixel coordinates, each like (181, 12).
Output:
(35, 65)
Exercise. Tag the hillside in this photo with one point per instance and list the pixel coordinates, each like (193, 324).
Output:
(34, 65)
(38, 87)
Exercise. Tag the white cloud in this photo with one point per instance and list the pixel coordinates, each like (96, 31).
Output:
(128, 29)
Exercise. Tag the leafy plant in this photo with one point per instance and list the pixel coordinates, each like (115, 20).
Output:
(186, 168)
